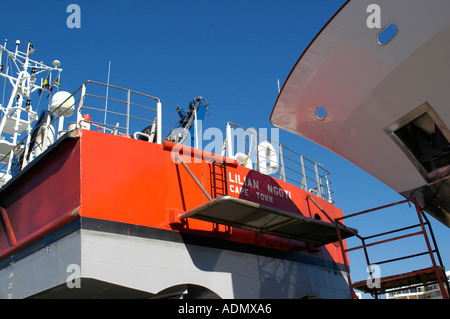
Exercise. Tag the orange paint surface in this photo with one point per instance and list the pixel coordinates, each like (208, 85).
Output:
(135, 182)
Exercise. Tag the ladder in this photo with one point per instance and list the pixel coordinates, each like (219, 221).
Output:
(219, 178)
(219, 184)
(422, 277)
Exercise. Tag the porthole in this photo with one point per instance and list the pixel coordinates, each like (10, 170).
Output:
(321, 113)
(387, 34)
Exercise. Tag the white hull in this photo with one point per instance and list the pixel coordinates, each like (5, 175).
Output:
(125, 266)
(369, 90)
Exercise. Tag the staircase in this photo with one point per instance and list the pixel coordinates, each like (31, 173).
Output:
(422, 277)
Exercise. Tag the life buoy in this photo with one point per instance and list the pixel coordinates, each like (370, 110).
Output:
(243, 160)
(267, 158)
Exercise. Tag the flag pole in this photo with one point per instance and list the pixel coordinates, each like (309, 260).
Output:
(107, 92)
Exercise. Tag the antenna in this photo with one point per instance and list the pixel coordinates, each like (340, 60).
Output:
(4, 47)
(17, 47)
(1, 70)
(107, 92)
(278, 82)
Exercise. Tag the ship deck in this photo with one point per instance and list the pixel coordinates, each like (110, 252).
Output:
(130, 198)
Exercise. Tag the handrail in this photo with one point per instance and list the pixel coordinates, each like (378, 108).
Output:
(82, 98)
(130, 107)
(365, 245)
(293, 167)
(126, 114)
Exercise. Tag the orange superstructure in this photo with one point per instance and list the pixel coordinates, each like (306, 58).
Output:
(106, 177)
(102, 212)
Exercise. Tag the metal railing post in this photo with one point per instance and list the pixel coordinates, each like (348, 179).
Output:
(158, 122)
(229, 141)
(328, 189)
(319, 188)
(128, 111)
(80, 104)
(282, 172)
(305, 187)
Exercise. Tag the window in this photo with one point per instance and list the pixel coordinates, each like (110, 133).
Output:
(387, 34)
(424, 138)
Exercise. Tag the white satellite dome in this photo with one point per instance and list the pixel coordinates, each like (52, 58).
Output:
(63, 104)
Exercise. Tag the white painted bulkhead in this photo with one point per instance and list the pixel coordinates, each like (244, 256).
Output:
(153, 265)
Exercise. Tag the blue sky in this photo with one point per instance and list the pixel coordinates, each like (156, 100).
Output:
(231, 52)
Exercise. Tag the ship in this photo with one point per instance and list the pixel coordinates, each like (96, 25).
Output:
(371, 88)
(97, 201)
(376, 96)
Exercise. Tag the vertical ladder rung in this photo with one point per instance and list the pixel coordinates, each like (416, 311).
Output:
(219, 177)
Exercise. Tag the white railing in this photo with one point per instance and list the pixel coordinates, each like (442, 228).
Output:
(119, 111)
(96, 106)
(251, 148)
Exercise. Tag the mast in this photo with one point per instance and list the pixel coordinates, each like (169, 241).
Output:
(18, 115)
